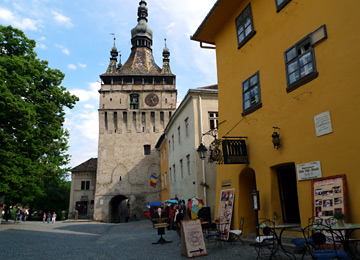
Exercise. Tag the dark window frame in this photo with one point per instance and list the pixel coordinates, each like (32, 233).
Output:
(250, 87)
(134, 101)
(240, 21)
(147, 149)
(282, 5)
(302, 48)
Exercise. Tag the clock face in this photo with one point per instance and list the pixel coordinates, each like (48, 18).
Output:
(151, 100)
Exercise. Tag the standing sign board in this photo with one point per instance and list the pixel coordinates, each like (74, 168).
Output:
(192, 239)
(329, 196)
(226, 205)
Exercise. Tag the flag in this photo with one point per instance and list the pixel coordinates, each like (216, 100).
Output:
(153, 180)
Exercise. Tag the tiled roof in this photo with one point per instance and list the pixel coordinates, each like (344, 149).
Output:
(209, 87)
(140, 62)
(88, 166)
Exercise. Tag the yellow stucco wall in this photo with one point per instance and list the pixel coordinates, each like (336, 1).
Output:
(165, 190)
(335, 90)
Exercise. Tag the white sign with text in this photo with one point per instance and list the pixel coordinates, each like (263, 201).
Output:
(307, 171)
(323, 124)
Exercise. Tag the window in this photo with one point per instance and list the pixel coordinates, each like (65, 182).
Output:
(181, 169)
(174, 172)
(85, 185)
(173, 141)
(179, 133)
(164, 154)
(106, 121)
(125, 120)
(300, 64)
(187, 127)
(251, 94)
(165, 178)
(280, 4)
(244, 26)
(134, 101)
(213, 120)
(169, 174)
(147, 149)
(188, 163)
(115, 121)
(169, 146)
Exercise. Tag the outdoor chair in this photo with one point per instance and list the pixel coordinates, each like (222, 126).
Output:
(266, 243)
(300, 242)
(321, 243)
(235, 234)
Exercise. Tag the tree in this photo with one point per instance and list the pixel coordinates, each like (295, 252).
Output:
(33, 142)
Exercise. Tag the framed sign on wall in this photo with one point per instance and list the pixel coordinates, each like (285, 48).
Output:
(329, 196)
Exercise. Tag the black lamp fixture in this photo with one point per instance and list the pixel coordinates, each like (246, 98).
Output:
(202, 151)
(276, 138)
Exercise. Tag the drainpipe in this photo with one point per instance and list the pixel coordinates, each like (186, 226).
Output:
(202, 161)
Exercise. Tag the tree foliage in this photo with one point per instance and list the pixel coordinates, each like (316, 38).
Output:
(33, 142)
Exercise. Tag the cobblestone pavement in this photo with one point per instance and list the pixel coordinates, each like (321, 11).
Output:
(92, 240)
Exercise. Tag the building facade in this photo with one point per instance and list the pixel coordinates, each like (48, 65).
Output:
(82, 193)
(137, 100)
(289, 65)
(188, 175)
(161, 146)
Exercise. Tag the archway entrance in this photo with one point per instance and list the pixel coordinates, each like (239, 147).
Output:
(119, 209)
(247, 183)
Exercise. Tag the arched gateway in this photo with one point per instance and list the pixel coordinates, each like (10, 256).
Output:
(119, 209)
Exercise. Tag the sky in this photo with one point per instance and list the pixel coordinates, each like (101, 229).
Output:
(76, 38)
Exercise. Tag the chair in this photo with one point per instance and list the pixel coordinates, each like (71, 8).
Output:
(266, 244)
(211, 232)
(300, 242)
(235, 234)
(321, 243)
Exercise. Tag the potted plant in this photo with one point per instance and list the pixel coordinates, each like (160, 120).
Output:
(276, 217)
(340, 217)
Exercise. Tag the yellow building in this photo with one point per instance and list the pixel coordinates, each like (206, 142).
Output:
(161, 146)
(291, 65)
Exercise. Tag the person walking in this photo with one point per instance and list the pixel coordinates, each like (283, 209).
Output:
(44, 216)
(48, 217)
(53, 217)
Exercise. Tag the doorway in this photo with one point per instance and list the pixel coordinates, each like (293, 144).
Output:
(288, 193)
(119, 209)
(81, 207)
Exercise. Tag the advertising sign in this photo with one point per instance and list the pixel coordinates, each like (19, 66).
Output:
(307, 171)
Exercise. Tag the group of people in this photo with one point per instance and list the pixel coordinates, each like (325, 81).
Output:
(49, 217)
(21, 214)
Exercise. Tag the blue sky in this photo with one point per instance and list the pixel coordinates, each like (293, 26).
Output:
(75, 37)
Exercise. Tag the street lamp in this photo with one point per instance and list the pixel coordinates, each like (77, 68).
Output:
(202, 151)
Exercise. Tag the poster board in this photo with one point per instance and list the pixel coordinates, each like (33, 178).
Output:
(192, 239)
(329, 196)
(225, 210)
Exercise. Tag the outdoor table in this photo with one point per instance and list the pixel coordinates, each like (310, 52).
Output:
(282, 229)
(343, 236)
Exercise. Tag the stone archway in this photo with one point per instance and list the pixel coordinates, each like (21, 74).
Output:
(119, 209)
(247, 183)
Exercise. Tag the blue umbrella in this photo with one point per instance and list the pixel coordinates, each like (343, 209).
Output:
(154, 204)
(171, 201)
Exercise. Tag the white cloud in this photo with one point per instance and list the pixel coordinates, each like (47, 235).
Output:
(62, 19)
(41, 45)
(42, 38)
(63, 49)
(90, 94)
(89, 106)
(82, 65)
(8, 17)
(72, 66)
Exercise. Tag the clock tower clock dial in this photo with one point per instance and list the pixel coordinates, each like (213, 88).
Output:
(151, 100)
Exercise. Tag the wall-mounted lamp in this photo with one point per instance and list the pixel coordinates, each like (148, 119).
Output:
(202, 151)
(204, 184)
(276, 138)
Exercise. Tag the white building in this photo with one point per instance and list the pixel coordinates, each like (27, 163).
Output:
(196, 115)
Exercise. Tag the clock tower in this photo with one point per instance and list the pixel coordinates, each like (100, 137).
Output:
(137, 100)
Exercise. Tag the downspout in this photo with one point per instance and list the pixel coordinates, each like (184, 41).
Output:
(202, 161)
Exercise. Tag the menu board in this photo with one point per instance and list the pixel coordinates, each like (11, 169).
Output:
(329, 196)
(192, 238)
(226, 205)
